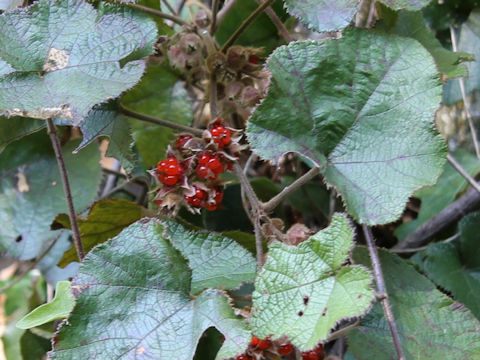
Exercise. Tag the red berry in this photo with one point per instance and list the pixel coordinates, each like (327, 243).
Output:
(169, 171)
(203, 159)
(254, 59)
(264, 344)
(213, 204)
(182, 140)
(221, 136)
(202, 172)
(197, 199)
(315, 354)
(215, 165)
(285, 349)
(244, 357)
(254, 342)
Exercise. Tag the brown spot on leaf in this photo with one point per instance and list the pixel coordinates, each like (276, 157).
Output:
(56, 60)
(324, 312)
(300, 313)
(306, 299)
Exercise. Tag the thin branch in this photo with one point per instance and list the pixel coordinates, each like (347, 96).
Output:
(463, 172)
(245, 24)
(52, 131)
(282, 30)
(387, 309)
(180, 6)
(421, 248)
(468, 202)
(361, 19)
(158, 121)
(213, 95)
(169, 7)
(213, 26)
(158, 13)
(31, 266)
(223, 12)
(466, 103)
(256, 211)
(277, 199)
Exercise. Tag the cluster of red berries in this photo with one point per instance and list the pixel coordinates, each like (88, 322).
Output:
(282, 348)
(190, 172)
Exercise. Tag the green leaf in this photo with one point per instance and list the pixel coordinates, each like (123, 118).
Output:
(469, 240)
(411, 5)
(443, 193)
(161, 94)
(104, 221)
(441, 14)
(31, 193)
(430, 324)
(62, 57)
(303, 291)
(469, 41)
(133, 299)
(104, 120)
(323, 15)
(59, 308)
(457, 268)
(33, 346)
(17, 127)
(260, 33)
(361, 107)
(412, 24)
(215, 260)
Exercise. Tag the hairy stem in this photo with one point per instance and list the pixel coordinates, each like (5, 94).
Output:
(282, 30)
(463, 172)
(387, 309)
(213, 95)
(214, 16)
(158, 13)
(169, 7)
(158, 121)
(468, 202)
(421, 248)
(245, 24)
(361, 19)
(466, 103)
(256, 211)
(52, 131)
(277, 199)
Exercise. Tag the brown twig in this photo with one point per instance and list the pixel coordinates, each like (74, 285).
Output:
(421, 248)
(169, 7)
(52, 131)
(256, 211)
(158, 121)
(245, 24)
(277, 199)
(282, 30)
(361, 19)
(158, 13)
(468, 202)
(466, 103)
(213, 26)
(463, 172)
(213, 95)
(387, 309)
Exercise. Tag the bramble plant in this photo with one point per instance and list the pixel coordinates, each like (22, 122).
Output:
(240, 179)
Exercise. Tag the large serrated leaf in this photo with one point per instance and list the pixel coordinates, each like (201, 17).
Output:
(59, 58)
(332, 15)
(412, 24)
(105, 220)
(31, 192)
(133, 299)
(361, 107)
(104, 120)
(303, 291)
(430, 324)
